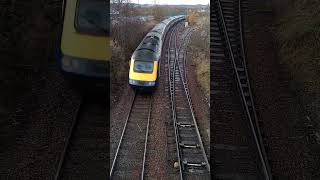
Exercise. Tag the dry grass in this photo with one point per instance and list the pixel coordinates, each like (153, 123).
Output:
(299, 37)
(203, 73)
(200, 53)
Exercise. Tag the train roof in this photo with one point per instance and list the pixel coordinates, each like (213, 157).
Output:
(145, 55)
(160, 28)
(150, 47)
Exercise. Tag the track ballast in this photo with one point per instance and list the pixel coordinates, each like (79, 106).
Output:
(238, 146)
(85, 151)
(191, 156)
(129, 160)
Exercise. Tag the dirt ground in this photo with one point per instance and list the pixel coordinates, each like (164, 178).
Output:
(157, 158)
(285, 129)
(37, 104)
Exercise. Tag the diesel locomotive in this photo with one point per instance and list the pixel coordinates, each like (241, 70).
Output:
(84, 50)
(144, 63)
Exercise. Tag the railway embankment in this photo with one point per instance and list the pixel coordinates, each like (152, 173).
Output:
(198, 74)
(298, 33)
(282, 41)
(199, 53)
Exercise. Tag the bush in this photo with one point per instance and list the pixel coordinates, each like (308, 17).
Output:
(126, 36)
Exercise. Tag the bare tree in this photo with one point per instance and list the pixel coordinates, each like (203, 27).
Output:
(123, 7)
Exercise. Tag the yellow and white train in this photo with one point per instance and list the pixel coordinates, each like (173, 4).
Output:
(144, 64)
(84, 50)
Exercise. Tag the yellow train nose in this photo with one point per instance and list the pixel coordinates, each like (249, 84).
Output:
(142, 76)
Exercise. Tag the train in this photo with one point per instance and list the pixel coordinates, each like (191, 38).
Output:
(144, 70)
(83, 50)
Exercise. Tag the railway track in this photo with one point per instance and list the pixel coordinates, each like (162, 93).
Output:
(85, 152)
(130, 157)
(238, 145)
(191, 156)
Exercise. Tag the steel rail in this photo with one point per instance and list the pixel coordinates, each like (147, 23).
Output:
(146, 141)
(122, 134)
(185, 39)
(172, 78)
(184, 61)
(243, 54)
(260, 152)
(64, 151)
(186, 90)
(172, 91)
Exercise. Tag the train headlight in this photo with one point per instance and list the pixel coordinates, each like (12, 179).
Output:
(87, 67)
(150, 83)
(66, 62)
(76, 65)
(142, 83)
(69, 63)
(133, 82)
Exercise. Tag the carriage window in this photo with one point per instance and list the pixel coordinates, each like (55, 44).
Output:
(92, 17)
(143, 66)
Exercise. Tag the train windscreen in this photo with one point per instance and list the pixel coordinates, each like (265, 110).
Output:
(143, 66)
(92, 17)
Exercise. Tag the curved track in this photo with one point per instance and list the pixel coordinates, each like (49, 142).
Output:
(129, 159)
(85, 153)
(191, 156)
(238, 146)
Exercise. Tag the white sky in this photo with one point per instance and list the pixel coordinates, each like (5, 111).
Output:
(172, 2)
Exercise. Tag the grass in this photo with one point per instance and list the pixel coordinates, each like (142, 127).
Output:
(200, 53)
(203, 73)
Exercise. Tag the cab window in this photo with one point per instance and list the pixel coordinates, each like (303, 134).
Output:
(143, 66)
(92, 17)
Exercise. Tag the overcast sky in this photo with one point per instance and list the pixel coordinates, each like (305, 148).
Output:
(191, 2)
